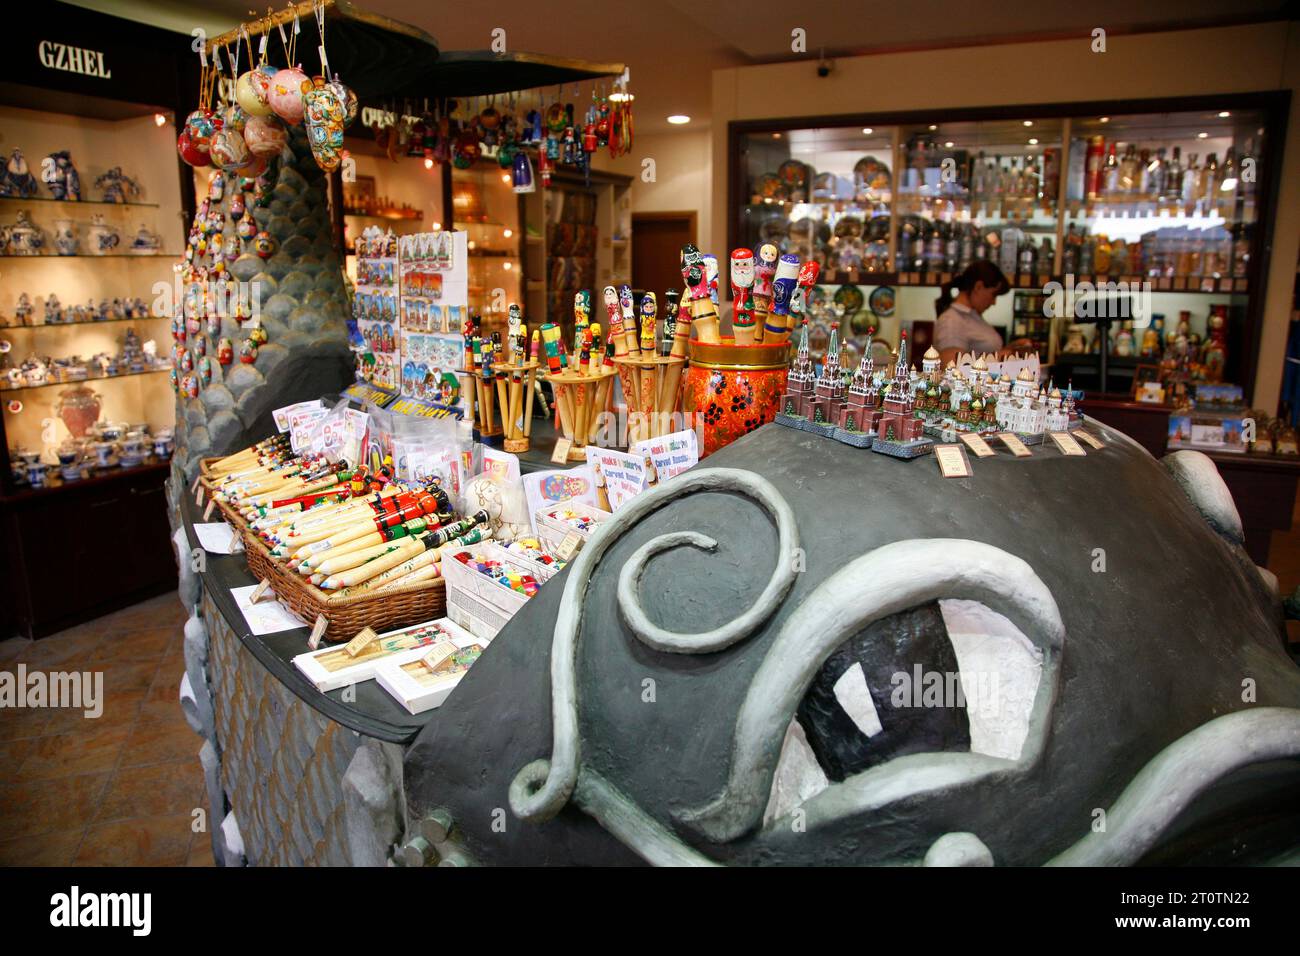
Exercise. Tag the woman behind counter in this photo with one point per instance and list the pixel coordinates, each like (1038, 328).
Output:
(961, 326)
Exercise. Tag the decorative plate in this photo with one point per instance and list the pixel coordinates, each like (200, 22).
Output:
(848, 302)
(882, 301)
(769, 187)
(793, 174)
(817, 302)
(871, 173)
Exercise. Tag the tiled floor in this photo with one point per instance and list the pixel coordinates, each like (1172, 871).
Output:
(118, 790)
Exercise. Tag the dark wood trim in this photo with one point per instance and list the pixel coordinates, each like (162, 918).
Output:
(690, 215)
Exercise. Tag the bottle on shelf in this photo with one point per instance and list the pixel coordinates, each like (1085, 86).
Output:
(1110, 174)
(1129, 171)
(1093, 168)
(1070, 251)
(1191, 181)
(1174, 177)
(1155, 172)
(1208, 185)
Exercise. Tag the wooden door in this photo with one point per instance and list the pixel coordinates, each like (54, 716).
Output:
(657, 240)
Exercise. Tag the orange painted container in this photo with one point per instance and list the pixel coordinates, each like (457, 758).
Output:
(735, 388)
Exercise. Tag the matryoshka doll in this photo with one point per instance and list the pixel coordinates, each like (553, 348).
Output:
(190, 385)
(205, 371)
(257, 335)
(214, 324)
(246, 229)
(264, 244)
(200, 346)
(175, 380)
(216, 190)
(248, 351)
(225, 351)
(187, 361)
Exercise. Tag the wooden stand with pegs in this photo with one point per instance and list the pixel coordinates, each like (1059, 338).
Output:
(517, 405)
(577, 397)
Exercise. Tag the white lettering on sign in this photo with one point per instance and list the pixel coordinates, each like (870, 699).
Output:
(72, 59)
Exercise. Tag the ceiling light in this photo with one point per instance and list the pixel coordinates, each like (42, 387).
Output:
(506, 266)
(1029, 122)
(1033, 142)
(505, 177)
(867, 131)
(1104, 119)
(776, 135)
(1202, 135)
(679, 119)
(507, 233)
(1223, 114)
(428, 163)
(160, 119)
(948, 145)
(933, 128)
(437, 226)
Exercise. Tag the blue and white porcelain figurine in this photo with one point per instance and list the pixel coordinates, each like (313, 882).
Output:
(61, 176)
(16, 179)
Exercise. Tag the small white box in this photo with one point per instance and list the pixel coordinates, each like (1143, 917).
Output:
(462, 580)
(314, 667)
(415, 689)
(552, 531)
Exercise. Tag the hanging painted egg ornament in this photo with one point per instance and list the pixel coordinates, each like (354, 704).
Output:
(234, 117)
(229, 151)
(205, 371)
(265, 135)
(265, 244)
(284, 94)
(246, 229)
(225, 351)
(250, 93)
(191, 153)
(324, 118)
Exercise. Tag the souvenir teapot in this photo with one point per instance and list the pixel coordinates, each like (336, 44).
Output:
(146, 243)
(65, 237)
(25, 237)
(103, 237)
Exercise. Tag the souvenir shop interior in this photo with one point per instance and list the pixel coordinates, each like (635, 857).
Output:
(401, 408)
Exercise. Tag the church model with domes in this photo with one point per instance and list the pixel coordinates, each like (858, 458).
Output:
(902, 416)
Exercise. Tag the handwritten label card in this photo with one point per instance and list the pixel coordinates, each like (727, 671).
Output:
(560, 453)
(977, 444)
(1066, 443)
(670, 454)
(1014, 444)
(1089, 438)
(952, 460)
(624, 474)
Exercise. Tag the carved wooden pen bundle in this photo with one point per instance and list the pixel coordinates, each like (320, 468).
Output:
(343, 530)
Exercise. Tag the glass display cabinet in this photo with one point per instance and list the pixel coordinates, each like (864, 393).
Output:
(1170, 199)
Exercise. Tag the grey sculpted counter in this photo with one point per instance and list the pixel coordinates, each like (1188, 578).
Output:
(754, 664)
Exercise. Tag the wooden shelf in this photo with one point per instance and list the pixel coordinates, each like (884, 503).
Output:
(78, 202)
(6, 386)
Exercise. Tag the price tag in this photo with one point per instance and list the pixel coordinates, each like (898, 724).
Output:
(1066, 443)
(952, 460)
(1090, 438)
(569, 547)
(1014, 444)
(365, 637)
(560, 454)
(260, 591)
(977, 444)
(317, 631)
(438, 654)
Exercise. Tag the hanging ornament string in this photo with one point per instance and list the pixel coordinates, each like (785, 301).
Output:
(284, 44)
(293, 40)
(319, 10)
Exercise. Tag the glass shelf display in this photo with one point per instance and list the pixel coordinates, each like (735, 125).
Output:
(486, 208)
(1165, 200)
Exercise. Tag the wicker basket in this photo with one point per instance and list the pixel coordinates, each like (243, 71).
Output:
(382, 611)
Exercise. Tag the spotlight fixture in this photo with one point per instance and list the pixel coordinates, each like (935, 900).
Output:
(679, 119)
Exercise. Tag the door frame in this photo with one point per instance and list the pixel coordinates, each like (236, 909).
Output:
(692, 216)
